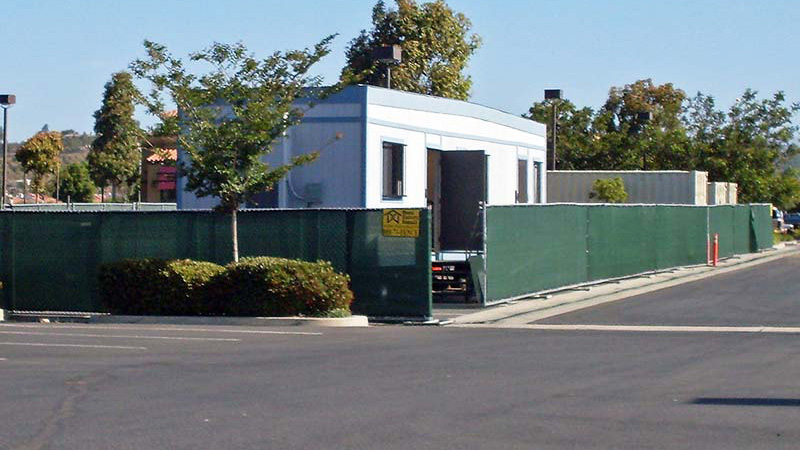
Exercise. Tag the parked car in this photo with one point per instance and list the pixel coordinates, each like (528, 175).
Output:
(779, 221)
(792, 219)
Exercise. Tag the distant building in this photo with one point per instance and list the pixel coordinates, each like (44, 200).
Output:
(159, 158)
(646, 187)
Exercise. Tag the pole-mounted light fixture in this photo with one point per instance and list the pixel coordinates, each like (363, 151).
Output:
(554, 94)
(644, 117)
(6, 100)
(389, 55)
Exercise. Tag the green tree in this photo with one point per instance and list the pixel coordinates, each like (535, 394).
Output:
(611, 190)
(575, 135)
(232, 115)
(616, 136)
(657, 143)
(40, 155)
(168, 126)
(76, 184)
(750, 144)
(436, 44)
(115, 154)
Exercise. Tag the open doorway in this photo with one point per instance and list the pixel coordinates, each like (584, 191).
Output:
(457, 187)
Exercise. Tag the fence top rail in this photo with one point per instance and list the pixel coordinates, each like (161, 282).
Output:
(173, 211)
(622, 205)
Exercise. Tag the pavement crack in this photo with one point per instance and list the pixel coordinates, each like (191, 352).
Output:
(78, 388)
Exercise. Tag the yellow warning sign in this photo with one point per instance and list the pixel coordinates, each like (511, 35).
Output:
(401, 222)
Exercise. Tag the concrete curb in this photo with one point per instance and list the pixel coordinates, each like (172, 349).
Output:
(527, 311)
(322, 322)
(326, 322)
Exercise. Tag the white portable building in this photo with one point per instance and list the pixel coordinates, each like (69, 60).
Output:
(382, 148)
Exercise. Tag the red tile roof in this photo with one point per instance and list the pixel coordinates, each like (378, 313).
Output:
(163, 154)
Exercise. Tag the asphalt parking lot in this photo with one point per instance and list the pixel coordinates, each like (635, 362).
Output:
(97, 387)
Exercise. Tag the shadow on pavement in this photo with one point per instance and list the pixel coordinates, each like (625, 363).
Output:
(747, 401)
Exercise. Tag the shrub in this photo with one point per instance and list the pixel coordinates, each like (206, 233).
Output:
(155, 286)
(268, 286)
(611, 190)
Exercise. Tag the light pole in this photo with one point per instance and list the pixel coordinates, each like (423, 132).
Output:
(644, 118)
(389, 55)
(554, 95)
(6, 100)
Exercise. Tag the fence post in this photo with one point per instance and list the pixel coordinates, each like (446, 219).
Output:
(716, 249)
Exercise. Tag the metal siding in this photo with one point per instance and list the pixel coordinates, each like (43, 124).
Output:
(661, 187)
(338, 168)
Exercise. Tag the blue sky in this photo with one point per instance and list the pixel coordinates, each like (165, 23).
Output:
(58, 54)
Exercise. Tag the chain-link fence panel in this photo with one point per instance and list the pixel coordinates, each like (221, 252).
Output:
(533, 248)
(539, 247)
(50, 260)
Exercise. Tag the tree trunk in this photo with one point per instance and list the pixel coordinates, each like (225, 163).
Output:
(235, 234)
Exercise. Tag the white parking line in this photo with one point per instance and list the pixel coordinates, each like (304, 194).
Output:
(642, 328)
(122, 336)
(188, 329)
(33, 344)
(3, 359)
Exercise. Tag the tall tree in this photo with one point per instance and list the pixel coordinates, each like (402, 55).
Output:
(40, 155)
(657, 143)
(749, 144)
(436, 44)
(233, 114)
(617, 136)
(76, 184)
(115, 154)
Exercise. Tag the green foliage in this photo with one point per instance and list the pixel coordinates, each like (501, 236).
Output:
(39, 155)
(115, 156)
(575, 135)
(611, 190)
(232, 115)
(778, 237)
(436, 49)
(155, 286)
(169, 125)
(267, 286)
(262, 286)
(750, 144)
(76, 184)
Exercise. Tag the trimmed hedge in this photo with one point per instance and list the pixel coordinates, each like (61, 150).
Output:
(268, 286)
(261, 286)
(155, 286)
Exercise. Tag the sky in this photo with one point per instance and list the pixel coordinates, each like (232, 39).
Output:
(58, 54)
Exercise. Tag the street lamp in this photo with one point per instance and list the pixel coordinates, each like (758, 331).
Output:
(389, 55)
(554, 94)
(6, 100)
(644, 118)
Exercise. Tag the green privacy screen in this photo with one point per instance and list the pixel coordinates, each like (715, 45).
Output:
(539, 247)
(50, 260)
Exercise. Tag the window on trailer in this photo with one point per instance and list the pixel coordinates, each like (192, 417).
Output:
(537, 173)
(393, 154)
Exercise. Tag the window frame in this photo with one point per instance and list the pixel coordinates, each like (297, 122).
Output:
(396, 192)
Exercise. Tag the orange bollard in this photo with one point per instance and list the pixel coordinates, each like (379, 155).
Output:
(716, 249)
